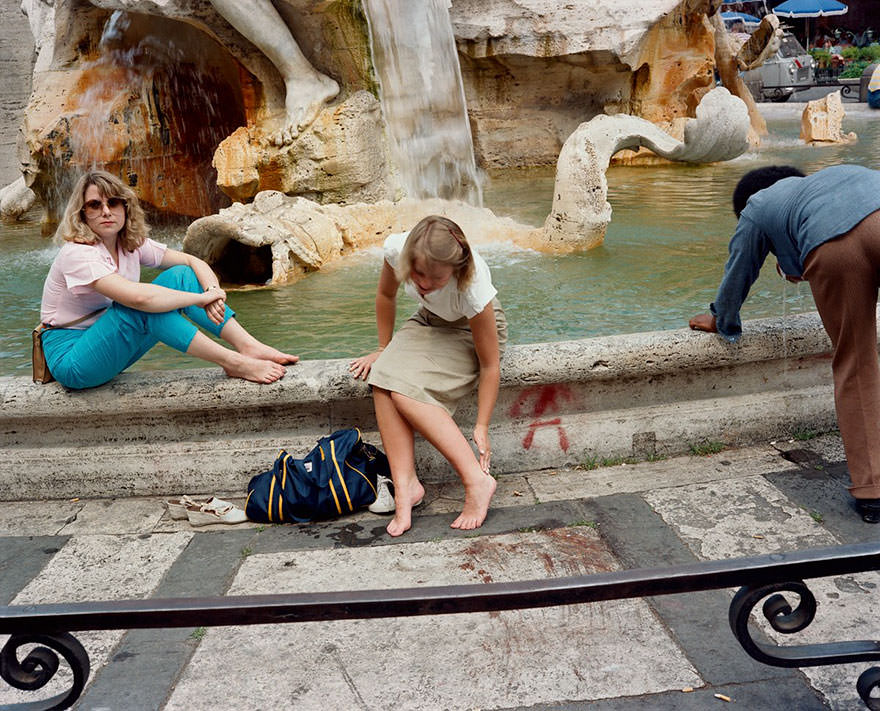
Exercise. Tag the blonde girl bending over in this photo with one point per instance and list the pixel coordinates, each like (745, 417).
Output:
(452, 343)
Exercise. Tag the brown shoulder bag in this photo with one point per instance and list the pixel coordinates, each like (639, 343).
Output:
(41, 370)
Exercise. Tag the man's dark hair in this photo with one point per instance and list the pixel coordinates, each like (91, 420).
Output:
(758, 179)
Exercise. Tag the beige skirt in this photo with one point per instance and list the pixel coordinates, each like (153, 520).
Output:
(432, 360)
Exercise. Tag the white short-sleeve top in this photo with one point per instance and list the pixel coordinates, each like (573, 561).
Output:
(68, 293)
(449, 303)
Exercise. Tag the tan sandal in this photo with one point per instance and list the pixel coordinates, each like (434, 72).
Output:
(179, 508)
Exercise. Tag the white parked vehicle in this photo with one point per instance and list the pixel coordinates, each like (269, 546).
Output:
(791, 69)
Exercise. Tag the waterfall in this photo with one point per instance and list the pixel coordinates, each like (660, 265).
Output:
(423, 102)
(151, 107)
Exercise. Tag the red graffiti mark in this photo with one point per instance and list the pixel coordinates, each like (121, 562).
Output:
(545, 400)
(555, 422)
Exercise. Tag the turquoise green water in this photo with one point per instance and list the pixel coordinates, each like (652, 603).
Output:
(660, 264)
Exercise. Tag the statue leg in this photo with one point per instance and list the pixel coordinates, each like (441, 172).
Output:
(307, 90)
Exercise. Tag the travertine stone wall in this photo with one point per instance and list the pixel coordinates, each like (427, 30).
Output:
(560, 404)
(16, 64)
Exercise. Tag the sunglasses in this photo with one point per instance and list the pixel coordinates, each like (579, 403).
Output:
(95, 207)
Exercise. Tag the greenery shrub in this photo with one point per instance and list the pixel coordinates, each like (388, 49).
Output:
(868, 54)
(854, 70)
(822, 57)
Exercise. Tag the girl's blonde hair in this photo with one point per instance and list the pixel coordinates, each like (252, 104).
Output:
(73, 227)
(438, 239)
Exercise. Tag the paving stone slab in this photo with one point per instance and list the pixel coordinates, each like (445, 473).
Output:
(824, 493)
(480, 660)
(752, 517)
(22, 559)
(144, 666)
(781, 694)
(37, 518)
(96, 568)
(698, 621)
(369, 530)
(103, 516)
(561, 484)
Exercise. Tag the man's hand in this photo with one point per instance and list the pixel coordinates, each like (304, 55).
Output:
(703, 322)
(792, 279)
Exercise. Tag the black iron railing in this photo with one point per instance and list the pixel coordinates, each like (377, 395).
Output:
(827, 75)
(758, 578)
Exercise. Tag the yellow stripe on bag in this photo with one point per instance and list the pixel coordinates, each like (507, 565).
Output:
(269, 499)
(335, 497)
(339, 474)
(284, 471)
(366, 479)
(280, 512)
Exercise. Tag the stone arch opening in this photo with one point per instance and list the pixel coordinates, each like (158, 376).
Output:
(243, 265)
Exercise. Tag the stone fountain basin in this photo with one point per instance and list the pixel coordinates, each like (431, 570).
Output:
(561, 404)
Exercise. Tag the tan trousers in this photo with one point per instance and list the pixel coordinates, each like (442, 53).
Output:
(844, 276)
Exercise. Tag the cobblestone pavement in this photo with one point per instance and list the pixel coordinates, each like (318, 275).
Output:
(621, 654)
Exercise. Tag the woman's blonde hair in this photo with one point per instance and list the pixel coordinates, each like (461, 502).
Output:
(73, 227)
(438, 239)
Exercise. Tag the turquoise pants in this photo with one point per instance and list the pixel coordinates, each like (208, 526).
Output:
(86, 358)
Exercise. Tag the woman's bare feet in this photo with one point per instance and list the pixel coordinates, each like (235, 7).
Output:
(477, 497)
(261, 351)
(406, 496)
(254, 369)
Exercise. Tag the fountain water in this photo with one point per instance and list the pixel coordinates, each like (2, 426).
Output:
(423, 100)
(150, 105)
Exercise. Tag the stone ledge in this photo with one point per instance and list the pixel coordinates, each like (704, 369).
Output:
(643, 394)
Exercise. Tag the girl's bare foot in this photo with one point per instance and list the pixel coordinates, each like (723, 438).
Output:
(476, 503)
(263, 352)
(254, 369)
(405, 498)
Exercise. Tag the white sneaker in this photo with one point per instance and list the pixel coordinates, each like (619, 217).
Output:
(384, 502)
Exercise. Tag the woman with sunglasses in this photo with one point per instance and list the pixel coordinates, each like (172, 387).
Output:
(452, 343)
(100, 319)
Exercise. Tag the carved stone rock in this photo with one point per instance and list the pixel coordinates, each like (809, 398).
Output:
(15, 200)
(339, 158)
(533, 71)
(278, 239)
(580, 212)
(822, 120)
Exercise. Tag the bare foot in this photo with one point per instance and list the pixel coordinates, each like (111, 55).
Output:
(476, 503)
(254, 369)
(263, 352)
(305, 98)
(405, 497)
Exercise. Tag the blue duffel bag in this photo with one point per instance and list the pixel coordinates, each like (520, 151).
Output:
(337, 477)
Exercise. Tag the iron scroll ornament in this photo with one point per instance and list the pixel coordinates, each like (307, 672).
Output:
(782, 618)
(40, 665)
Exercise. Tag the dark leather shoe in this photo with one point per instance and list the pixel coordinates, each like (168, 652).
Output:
(869, 510)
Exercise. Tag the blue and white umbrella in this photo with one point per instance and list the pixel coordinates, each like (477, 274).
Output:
(743, 16)
(810, 8)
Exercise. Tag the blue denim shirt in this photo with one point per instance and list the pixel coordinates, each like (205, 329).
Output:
(790, 219)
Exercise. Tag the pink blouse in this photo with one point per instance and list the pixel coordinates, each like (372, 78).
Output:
(68, 293)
